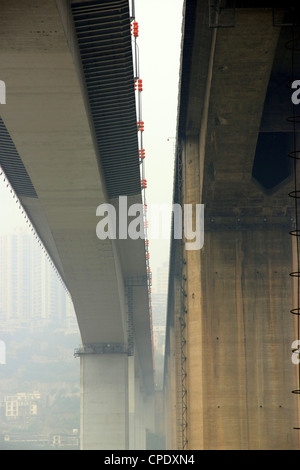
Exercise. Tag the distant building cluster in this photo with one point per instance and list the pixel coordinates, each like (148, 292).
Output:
(17, 441)
(162, 280)
(20, 415)
(159, 338)
(31, 294)
(21, 405)
(159, 307)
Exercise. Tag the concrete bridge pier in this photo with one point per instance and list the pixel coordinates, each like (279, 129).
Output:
(144, 416)
(246, 329)
(60, 182)
(115, 411)
(131, 401)
(237, 296)
(139, 422)
(104, 401)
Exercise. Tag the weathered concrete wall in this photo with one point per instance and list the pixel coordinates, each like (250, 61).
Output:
(238, 292)
(246, 336)
(170, 396)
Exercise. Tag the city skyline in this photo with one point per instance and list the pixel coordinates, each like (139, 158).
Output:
(31, 292)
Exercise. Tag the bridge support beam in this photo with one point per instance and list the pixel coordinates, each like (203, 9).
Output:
(104, 402)
(139, 421)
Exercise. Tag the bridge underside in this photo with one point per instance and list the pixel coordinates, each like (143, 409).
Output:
(228, 368)
(68, 144)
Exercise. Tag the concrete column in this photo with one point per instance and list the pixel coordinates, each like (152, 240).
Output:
(142, 421)
(149, 412)
(140, 431)
(150, 418)
(193, 331)
(170, 393)
(131, 402)
(239, 331)
(180, 362)
(243, 323)
(104, 401)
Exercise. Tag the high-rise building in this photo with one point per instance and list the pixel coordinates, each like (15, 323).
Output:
(30, 291)
(159, 294)
(162, 279)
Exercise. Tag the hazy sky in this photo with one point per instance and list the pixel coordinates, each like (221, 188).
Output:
(159, 46)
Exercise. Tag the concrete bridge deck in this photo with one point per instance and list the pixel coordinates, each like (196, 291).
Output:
(68, 144)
